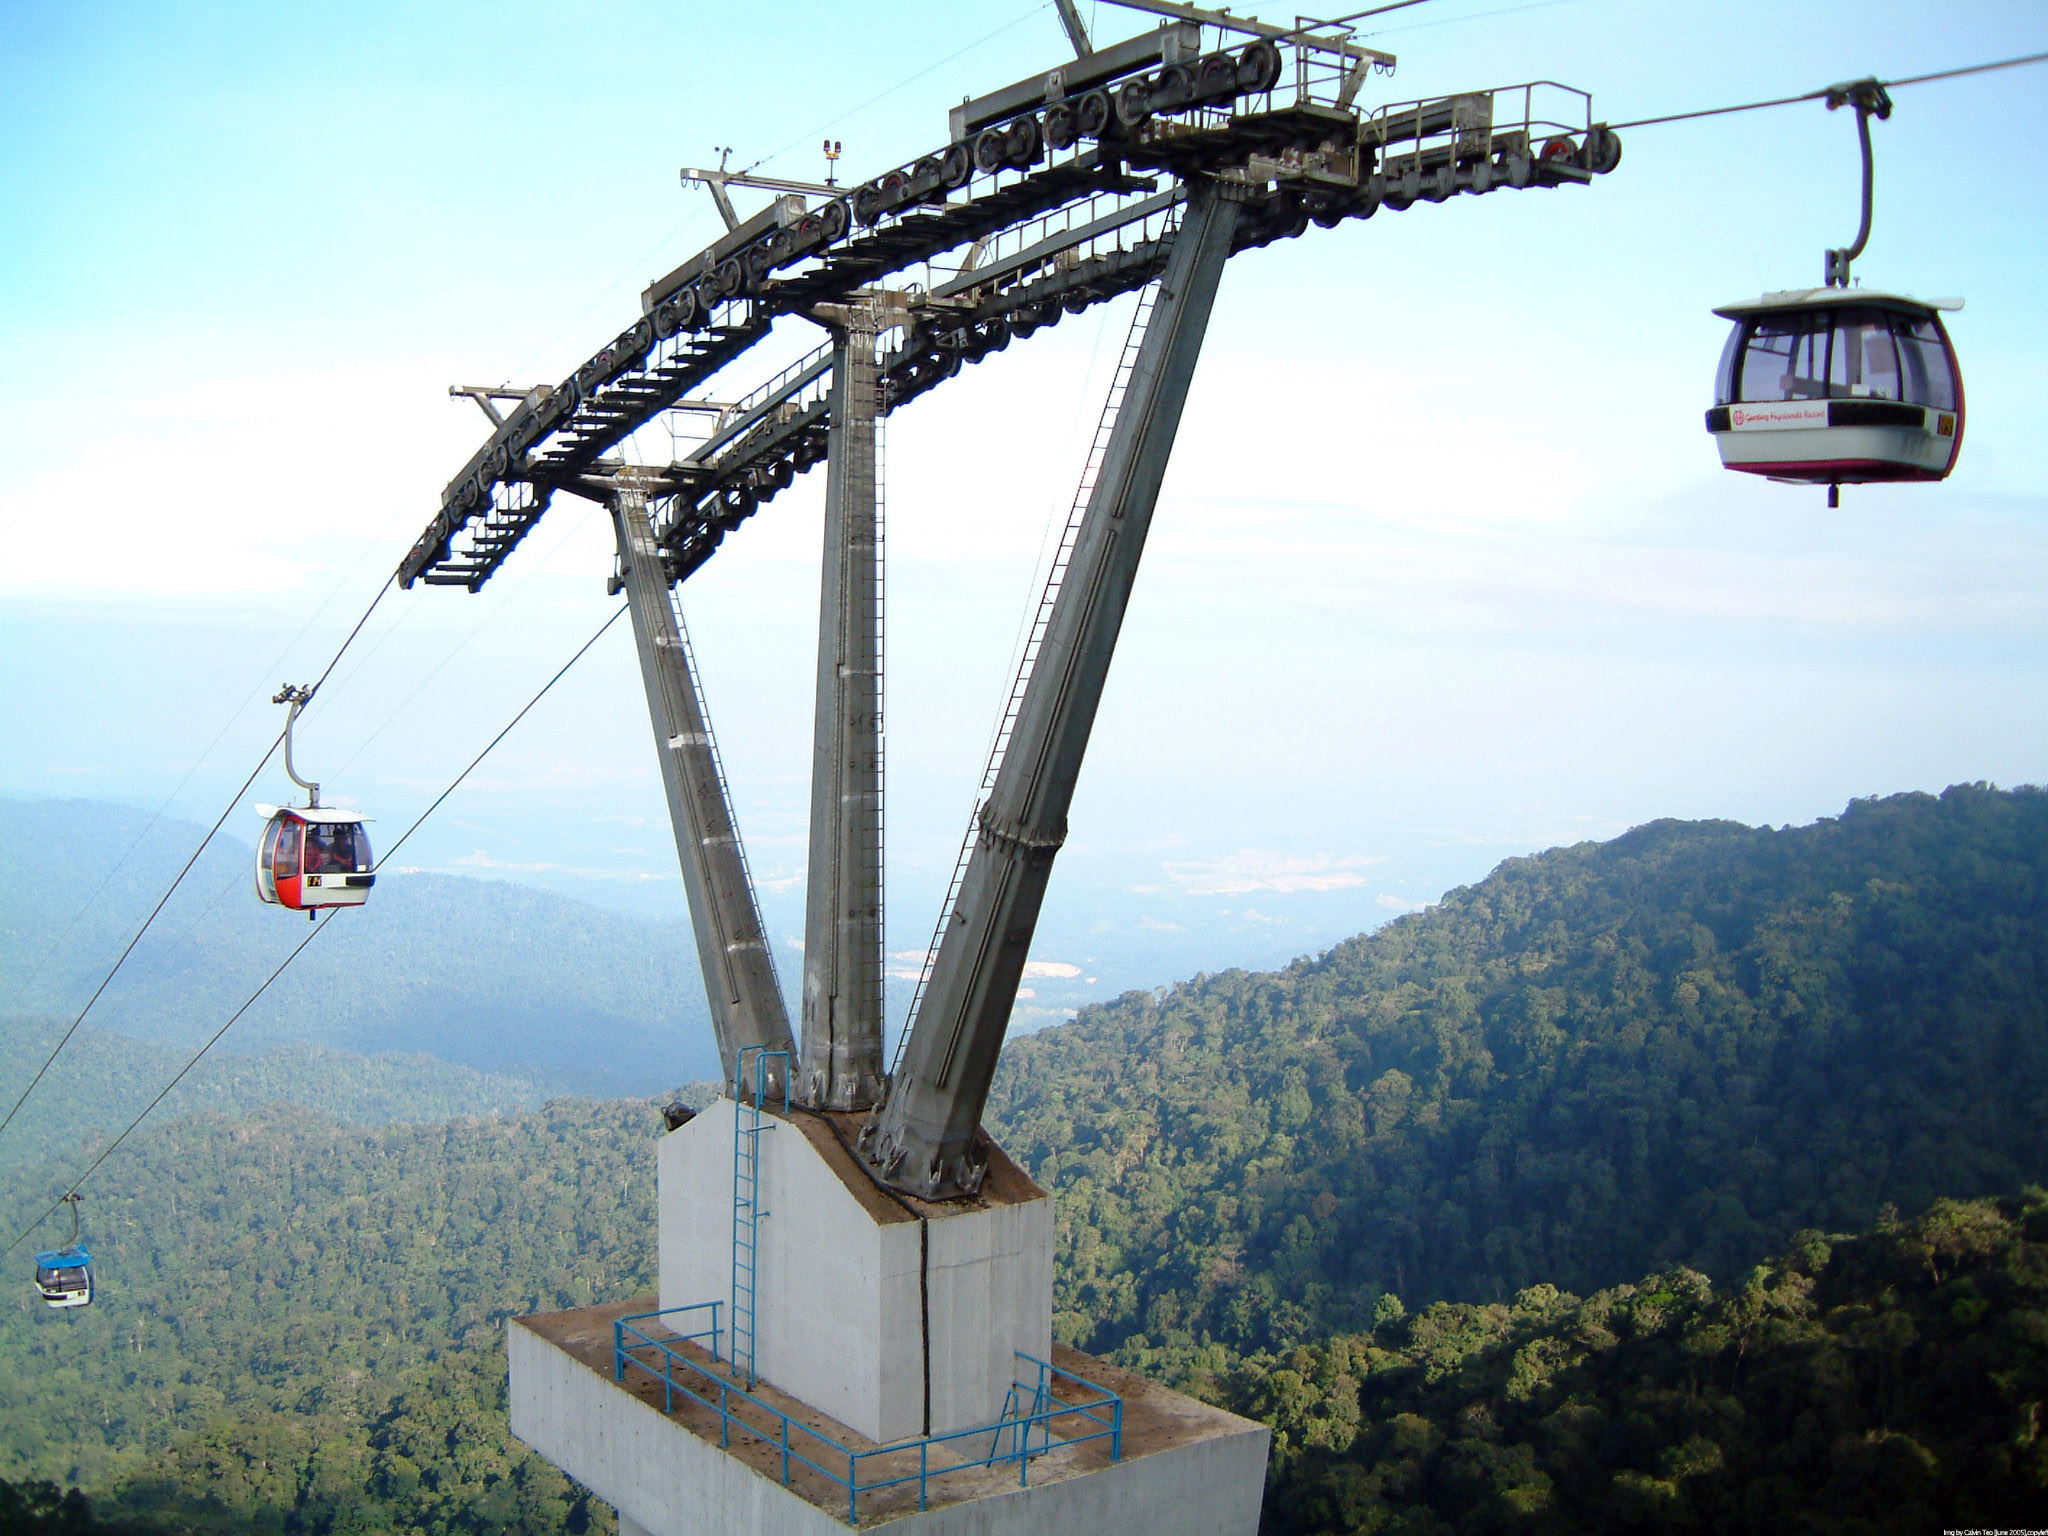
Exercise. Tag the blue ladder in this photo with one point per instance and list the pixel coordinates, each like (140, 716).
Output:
(749, 1121)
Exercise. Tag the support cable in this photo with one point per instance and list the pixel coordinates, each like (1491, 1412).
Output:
(299, 948)
(1826, 91)
(92, 1167)
(164, 900)
(525, 710)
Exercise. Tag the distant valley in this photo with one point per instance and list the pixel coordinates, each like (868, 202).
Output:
(1637, 1176)
(498, 978)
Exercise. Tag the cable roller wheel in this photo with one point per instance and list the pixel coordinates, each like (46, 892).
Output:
(1022, 144)
(1601, 152)
(1093, 114)
(956, 166)
(730, 278)
(867, 205)
(1061, 128)
(1258, 67)
(1175, 90)
(1133, 102)
(991, 149)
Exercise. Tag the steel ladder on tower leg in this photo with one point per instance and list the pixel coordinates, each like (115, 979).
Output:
(750, 1120)
(1055, 576)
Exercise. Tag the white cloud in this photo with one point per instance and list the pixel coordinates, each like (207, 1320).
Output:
(1256, 869)
(1055, 970)
(1399, 903)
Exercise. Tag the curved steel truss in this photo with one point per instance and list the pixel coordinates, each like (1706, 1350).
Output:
(1055, 195)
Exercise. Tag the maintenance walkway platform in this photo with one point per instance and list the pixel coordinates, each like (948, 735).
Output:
(676, 1463)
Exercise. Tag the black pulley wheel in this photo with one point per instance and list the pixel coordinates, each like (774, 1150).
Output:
(833, 219)
(1060, 127)
(1093, 114)
(1601, 152)
(729, 278)
(1022, 145)
(956, 166)
(1175, 90)
(1133, 102)
(867, 205)
(1259, 66)
(990, 150)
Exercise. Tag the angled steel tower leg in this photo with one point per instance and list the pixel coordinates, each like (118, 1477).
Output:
(739, 974)
(842, 1005)
(922, 1139)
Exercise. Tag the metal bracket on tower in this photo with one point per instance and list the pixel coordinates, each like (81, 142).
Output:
(922, 1139)
(739, 973)
(842, 999)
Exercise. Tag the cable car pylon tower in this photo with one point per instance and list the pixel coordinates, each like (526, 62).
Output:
(901, 1295)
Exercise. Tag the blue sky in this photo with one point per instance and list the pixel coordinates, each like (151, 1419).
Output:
(1445, 569)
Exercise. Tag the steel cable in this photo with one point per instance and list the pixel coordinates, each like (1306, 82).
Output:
(164, 900)
(299, 948)
(1819, 95)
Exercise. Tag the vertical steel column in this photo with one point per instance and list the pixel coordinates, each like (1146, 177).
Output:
(922, 1138)
(842, 1000)
(739, 974)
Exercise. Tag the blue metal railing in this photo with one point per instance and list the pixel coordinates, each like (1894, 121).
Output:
(748, 1123)
(1017, 1437)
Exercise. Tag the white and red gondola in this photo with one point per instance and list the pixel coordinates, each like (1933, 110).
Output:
(1838, 386)
(312, 857)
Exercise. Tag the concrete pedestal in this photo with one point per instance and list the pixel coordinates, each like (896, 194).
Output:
(881, 1321)
(898, 1317)
(1187, 1469)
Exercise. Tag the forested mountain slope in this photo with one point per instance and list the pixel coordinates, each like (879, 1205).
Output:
(1891, 1382)
(299, 1325)
(1677, 1047)
(492, 976)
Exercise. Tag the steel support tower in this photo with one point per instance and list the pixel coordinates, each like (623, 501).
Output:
(842, 998)
(1142, 164)
(739, 973)
(923, 1138)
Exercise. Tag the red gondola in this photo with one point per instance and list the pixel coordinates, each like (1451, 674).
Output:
(310, 856)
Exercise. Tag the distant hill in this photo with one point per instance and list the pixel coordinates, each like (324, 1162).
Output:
(495, 977)
(1677, 1047)
(103, 1078)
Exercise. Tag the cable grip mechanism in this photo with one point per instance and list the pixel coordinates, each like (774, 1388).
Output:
(1870, 99)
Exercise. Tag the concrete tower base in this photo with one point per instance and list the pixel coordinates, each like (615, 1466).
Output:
(888, 1329)
(1187, 1469)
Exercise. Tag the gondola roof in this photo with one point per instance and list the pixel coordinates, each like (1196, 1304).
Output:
(1832, 298)
(324, 813)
